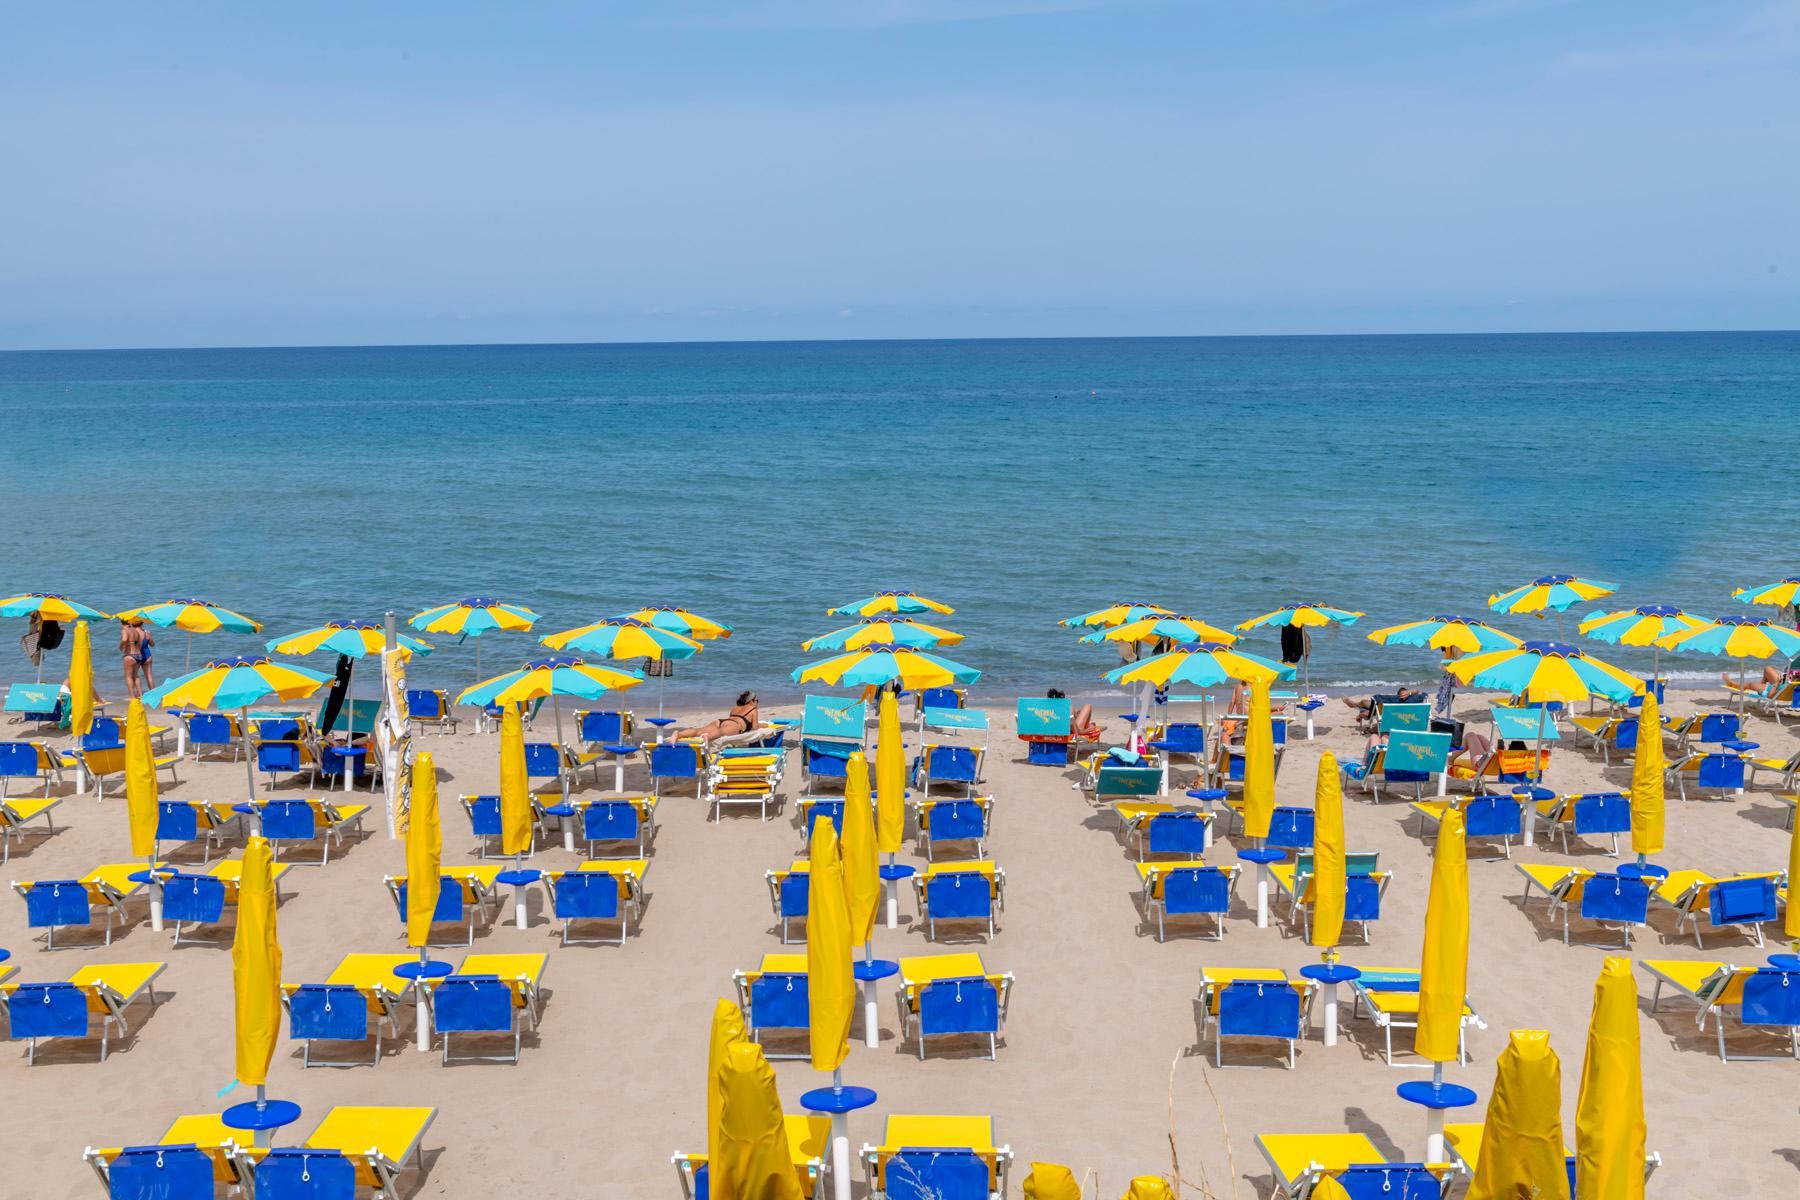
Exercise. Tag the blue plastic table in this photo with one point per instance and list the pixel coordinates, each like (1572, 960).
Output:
(519, 881)
(1330, 975)
(262, 1119)
(661, 723)
(839, 1102)
(891, 875)
(869, 972)
(1435, 1098)
(1262, 856)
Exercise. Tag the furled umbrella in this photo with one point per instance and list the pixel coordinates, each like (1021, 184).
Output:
(1051, 1181)
(862, 879)
(1742, 638)
(424, 876)
(48, 606)
(192, 616)
(889, 602)
(1303, 616)
(354, 640)
(890, 792)
(1443, 979)
(1790, 922)
(140, 801)
(1149, 1187)
(1330, 888)
(1647, 799)
(81, 683)
(626, 638)
(1610, 1130)
(1522, 1137)
(1259, 795)
(830, 986)
(1550, 593)
(1465, 635)
(902, 631)
(236, 683)
(753, 1161)
(884, 663)
(255, 982)
(727, 1031)
(473, 616)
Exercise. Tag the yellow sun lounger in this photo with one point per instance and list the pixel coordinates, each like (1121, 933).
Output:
(787, 893)
(573, 897)
(478, 882)
(925, 1147)
(227, 871)
(808, 1141)
(1566, 890)
(1462, 1141)
(379, 1144)
(944, 995)
(1301, 1160)
(1142, 832)
(372, 975)
(742, 779)
(329, 821)
(1238, 1002)
(47, 764)
(16, 812)
(1717, 989)
(1391, 997)
(960, 891)
(1295, 881)
(210, 824)
(206, 1133)
(105, 991)
(774, 997)
(1689, 893)
(108, 887)
(1202, 896)
(467, 1003)
(95, 766)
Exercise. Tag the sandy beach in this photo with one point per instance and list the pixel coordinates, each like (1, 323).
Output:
(1101, 1051)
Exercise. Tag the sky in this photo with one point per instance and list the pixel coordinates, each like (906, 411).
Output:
(206, 174)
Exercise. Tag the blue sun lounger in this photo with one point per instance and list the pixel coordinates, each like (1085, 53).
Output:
(955, 766)
(1254, 1003)
(937, 1158)
(610, 889)
(960, 892)
(963, 820)
(775, 999)
(354, 1147)
(1192, 888)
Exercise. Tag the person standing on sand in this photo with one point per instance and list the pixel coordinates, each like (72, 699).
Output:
(136, 645)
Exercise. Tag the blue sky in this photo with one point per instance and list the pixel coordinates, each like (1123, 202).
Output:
(221, 174)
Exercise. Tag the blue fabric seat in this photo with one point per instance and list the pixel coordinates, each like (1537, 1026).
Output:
(176, 822)
(1193, 891)
(788, 891)
(20, 760)
(1390, 1181)
(674, 761)
(957, 765)
(1291, 828)
(812, 808)
(1747, 903)
(542, 761)
(56, 904)
(1500, 817)
(475, 1004)
(1180, 832)
(777, 1002)
(330, 1012)
(180, 1172)
(193, 899)
(299, 1173)
(586, 896)
(959, 1006)
(932, 1174)
(1613, 900)
(284, 758)
(288, 821)
(41, 1010)
(484, 820)
(106, 734)
(958, 896)
(1261, 1009)
(452, 907)
(602, 728)
(953, 821)
(211, 731)
(611, 821)
(1606, 814)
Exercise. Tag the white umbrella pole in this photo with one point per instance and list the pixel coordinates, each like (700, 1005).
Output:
(561, 773)
(187, 663)
(249, 757)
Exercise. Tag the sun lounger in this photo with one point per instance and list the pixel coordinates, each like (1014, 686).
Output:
(44, 1010)
(361, 991)
(52, 904)
(1390, 996)
(1154, 827)
(37, 703)
(1120, 774)
(301, 821)
(489, 993)
(1188, 888)
(1611, 901)
(97, 766)
(1048, 731)
(484, 818)
(787, 894)
(1363, 894)
(1702, 730)
(1301, 1160)
(201, 898)
(1254, 1002)
(193, 821)
(627, 821)
(808, 809)
(952, 719)
(1587, 814)
(15, 813)
(937, 1158)
(1741, 902)
(957, 892)
(430, 707)
(743, 778)
(947, 765)
(195, 1153)
(946, 995)
(775, 999)
(29, 760)
(1755, 997)
(1722, 773)
(1609, 733)
(1484, 817)
(677, 762)
(831, 729)
(354, 1147)
(463, 894)
(808, 1139)
(963, 820)
(606, 890)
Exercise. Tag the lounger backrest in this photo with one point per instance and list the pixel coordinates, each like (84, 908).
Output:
(831, 810)
(277, 729)
(1259, 1008)
(794, 893)
(484, 815)
(1742, 901)
(1602, 812)
(959, 1006)
(959, 894)
(472, 1004)
(449, 907)
(674, 760)
(1362, 898)
(933, 1174)
(53, 903)
(780, 1000)
(1185, 737)
(209, 729)
(1291, 828)
(1719, 727)
(1494, 816)
(1176, 833)
(1196, 890)
(581, 894)
(832, 717)
(543, 760)
(610, 821)
(1625, 734)
(18, 759)
(194, 898)
(278, 756)
(603, 727)
(1390, 1181)
(299, 1173)
(1114, 780)
(335, 1011)
(952, 764)
(290, 820)
(940, 698)
(1721, 771)
(176, 822)
(105, 735)
(1614, 898)
(424, 704)
(48, 1010)
(1046, 718)
(955, 820)
(1771, 997)
(160, 1173)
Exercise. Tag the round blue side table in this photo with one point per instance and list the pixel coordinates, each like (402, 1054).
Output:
(662, 724)
(1435, 1097)
(869, 972)
(565, 817)
(1262, 856)
(1330, 975)
(261, 1117)
(839, 1103)
(418, 972)
(891, 875)
(520, 882)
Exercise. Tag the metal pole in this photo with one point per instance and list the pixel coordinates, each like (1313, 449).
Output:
(422, 1017)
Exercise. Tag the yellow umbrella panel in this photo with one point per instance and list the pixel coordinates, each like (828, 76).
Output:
(831, 994)
(140, 783)
(1609, 1115)
(862, 872)
(1522, 1139)
(81, 682)
(1259, 764)
(1444, 967)
(256, 967)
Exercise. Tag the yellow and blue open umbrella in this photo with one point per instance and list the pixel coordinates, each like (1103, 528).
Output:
(1168, 626)
(352, 639)
(887, 662)
(676, 619)
(1742, 638)
(51, 606)
(472, 617)
(623, 637)
(558, 675)
(1782, 593)
(900, 631)
(889, 602)
(1545, 670)
(192, 616)
(1203, 664)
(1645, 625)
(228, 683)
(1466, 635)
(1121, 613)
(1550, 593)
(1307, 616)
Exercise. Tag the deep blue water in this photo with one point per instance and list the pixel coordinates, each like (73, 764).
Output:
(1021, 481)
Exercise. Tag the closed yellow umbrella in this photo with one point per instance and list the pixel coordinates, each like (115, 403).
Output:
(831, 988)
(515, 796)
(1051, 1181)
(1259, 765)
(1791, 924)
(1444, 968)
(890, 777)
(1329, 883)
(256, 966)
(81, 683)
(753, 1161)
(1647, 781)
(1522, 1139)
(140, 782)
(424, 852)
(862, 871)
(1609, 1115)
(1149, 1187)
(727, 1031)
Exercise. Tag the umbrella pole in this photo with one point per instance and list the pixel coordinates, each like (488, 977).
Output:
(187, 664)
(421, 1016)
(249, 758)
(561, 772)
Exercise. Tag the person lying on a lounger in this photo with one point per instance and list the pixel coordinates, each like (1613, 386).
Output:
(741, 719)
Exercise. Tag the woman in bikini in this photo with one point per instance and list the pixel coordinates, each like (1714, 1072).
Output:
(135, 644)
(741, 719)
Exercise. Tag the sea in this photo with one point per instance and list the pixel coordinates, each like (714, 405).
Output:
(1020, 481)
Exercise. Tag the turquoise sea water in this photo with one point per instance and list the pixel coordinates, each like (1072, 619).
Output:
(1022, 481)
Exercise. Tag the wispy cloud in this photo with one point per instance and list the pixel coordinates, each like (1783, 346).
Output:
(869, 14)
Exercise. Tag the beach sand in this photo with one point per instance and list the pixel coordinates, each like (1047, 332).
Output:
(1101, 1054)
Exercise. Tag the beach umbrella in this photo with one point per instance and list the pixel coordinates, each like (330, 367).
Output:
(1164, 627)
(1148, 1187)
(753, 1161)
(1444, 965)
(49, 606)
(1742, 638)
(1303, 616)
(1647, 781)
(256, 968)
(353, 640)
(1051, 1181)
(1645, 625)
(472, 617)
(862, 870)
(890, 777)
(1790, 923)
(831, 987)
(81, 683)
(1329, 873)
(1550, 593)
(228, 683)
(1117, 614)
(889, 602)
(1522, 1138)
(140, 783)
(679, 620)
(900, 631)
(1203, 664)
(515, 795)
(887, 662)
(1609, 1113)
(555, 676)
(626, 637)
(191, 616)
(424, 853)
(1783, 593)
(1465, 635)
(1259, 765)
(727, 1031)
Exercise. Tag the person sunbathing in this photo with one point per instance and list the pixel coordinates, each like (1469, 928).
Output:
(1081, 720)
(1772, 677)
(1365, 705)
(741, 719)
